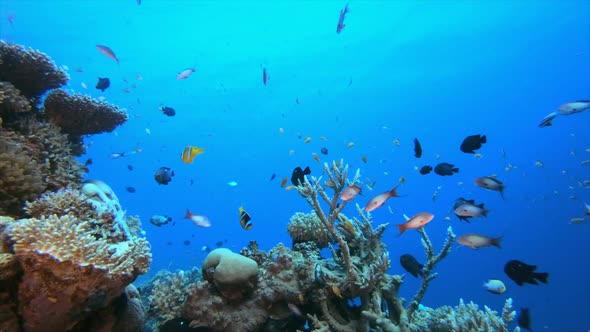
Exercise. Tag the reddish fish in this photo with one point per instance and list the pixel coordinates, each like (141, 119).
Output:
(350, 193)
(197, 219)
(476, 241)
(341, 25)
(185, 73)
(107, 51)
(264, 76)
(378, 200)
(417, 221)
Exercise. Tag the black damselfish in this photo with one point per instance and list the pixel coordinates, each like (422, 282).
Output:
(298, 176)
(410, 264)
(521, 273)
(472, 143)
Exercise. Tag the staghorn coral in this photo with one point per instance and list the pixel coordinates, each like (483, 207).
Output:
(68, 272)
(463, 318)
(11, 100)
(21, 178)
(81, 115)
(307, 227)
(30, 71)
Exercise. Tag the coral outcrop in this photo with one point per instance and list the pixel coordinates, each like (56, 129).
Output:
(30, 71)
(81, 115)
(307, 227)
(11, 100)
(234, 276)
(73, 264)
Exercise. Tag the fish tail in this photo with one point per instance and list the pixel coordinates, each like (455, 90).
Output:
(485, 212)
(401, 228)
(393, 192)
(542, 277)
(455, 169)
(496, 242)
(188, 214)
(484, 139)
(501, 190)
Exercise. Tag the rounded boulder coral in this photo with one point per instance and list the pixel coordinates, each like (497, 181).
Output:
(234, 276)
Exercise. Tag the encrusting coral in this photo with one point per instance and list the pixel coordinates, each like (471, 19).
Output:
(81, 115)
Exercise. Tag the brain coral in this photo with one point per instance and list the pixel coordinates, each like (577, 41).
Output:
(307, 227)
(30, 71)
(234, 275)
(81, 115)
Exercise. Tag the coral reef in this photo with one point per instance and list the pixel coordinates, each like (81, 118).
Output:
(11, 100)
(463, 318)
(30, 71)
(307, 227)
(81, 115)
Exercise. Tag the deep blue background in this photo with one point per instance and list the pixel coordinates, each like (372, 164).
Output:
(435, 70)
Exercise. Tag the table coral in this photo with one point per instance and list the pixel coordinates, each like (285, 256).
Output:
(30, 71)
(78, 114)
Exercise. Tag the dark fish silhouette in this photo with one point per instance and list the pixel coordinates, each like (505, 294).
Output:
(168, 111)
(219, 243)
(130, 167)
(324, 151)
(417, 148)
(164, 175)
(425, 170)
(187, 242)
(297, 178)
(472, 143)
(522, 273)
(88, 162)
(410, 264)
(273, 176)
(524, 319)
(443, 169)
(103, 84)
(130, 189)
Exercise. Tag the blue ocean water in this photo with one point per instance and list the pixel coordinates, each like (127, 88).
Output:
(435, 70)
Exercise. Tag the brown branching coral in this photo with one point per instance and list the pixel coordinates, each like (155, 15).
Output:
(30, 71)
(21, 178)
(11, 100)
(81, 115)
(168, 293)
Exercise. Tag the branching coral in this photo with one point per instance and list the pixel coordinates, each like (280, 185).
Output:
(30, 71)
(81, 115)
(463, 318)
(168, 293)
(21, 178)
(11, 100)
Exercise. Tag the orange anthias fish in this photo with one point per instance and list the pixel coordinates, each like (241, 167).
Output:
(189, 153)
(198, 219)
(378, 200)
(107, 51)
(476, 241)
(185, 73)
(417, 221)
(341, 25)
(350, 192)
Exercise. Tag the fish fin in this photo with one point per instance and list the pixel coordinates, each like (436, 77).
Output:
(455, 169)
(548, 120)
(501, 190)
(542, 277)
(393, 192)
(485, 212)
(483, 139)
(188, 214)
(306, 171)
(401, 228)
(406, 217)
(496, 241)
